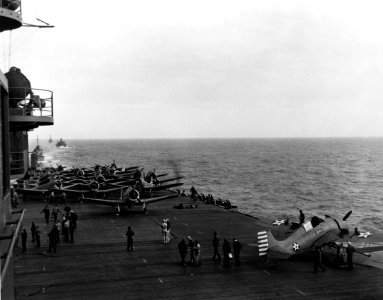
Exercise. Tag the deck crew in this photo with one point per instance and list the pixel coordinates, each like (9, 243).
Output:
(33, 231)
(301, 217)
(164, 227)
(318, 259)
(167, 230)
(197, 253)
(38, 232)
(129, 236)
(237, 250)
(226, 249)
(24, 236)
(55, 211)
(46, 212)
(191, 247)
(350, 251)
(183, 249)
(215, 247)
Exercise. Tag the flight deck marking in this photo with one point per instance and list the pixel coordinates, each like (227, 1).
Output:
(300, 292)
(267, 272)
(160, 280)
(144, 260)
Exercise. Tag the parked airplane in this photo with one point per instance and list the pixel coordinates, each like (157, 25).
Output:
(316, 232)
(129, 197)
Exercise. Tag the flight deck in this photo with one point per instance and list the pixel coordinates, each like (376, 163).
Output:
(97, 265)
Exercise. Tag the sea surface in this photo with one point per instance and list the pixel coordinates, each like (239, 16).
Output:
(268, 177)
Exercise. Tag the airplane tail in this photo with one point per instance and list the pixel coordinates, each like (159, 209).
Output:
(265, 241)
(263, 244)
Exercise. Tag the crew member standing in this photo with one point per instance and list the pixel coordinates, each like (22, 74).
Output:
(38, 232)
(318, 259)
(197, 253)
(183, 249)
(191, 246)
(215, 246)
(237, 250)
(46, 213)
(55, 212)
(24, 236)
(164, 229)
(301, 217)
(33, 231)
(129, 235)
(350, 251)
(226, 249)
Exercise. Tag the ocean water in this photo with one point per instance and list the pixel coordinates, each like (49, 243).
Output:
(269, 177)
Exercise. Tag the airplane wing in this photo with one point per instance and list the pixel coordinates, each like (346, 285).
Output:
(155, 199)
(109, 190)
(32, 191)
(104, 201)
(162, 186)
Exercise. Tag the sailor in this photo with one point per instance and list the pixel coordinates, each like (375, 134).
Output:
(129, 235)
(24, 236)
(183, 248)
(193, 192)
(191, 246)
(167, 230)
(318, 259)
(226, 249)
(301, 217)
(55, 211)
(71, 230)
(339, 262)
(237, 250)
(350, 251)
(33, 231)
(38, 232)
(164, 227)
(197, 253)
(46, 213)
(215, 246)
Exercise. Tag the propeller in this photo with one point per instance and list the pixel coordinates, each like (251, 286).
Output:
(347, 215)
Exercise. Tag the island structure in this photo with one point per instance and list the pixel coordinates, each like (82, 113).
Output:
(22, 109)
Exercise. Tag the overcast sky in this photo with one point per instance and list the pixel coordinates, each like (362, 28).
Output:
(174, 69)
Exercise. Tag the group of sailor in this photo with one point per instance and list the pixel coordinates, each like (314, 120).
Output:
(208, 199)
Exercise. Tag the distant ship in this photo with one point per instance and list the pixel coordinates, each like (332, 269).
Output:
(37, 155)
(50, 139)
(61, 144)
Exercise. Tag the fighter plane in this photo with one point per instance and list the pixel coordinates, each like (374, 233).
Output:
(42, 187)
(129, 197)
(316, 232)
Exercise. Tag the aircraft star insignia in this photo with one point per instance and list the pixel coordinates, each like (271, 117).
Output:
(278, 222)
(364, 234)
(296, 247)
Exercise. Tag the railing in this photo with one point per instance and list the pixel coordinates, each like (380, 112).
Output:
(38, 102)
(13, 237)
(14, 5)
(10, 13)
(17, 163)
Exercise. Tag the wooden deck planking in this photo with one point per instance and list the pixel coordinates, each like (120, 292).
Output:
(97, 266)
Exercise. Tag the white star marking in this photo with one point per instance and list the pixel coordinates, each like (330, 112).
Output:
(296, 247)
(278, 222)
(364, 234)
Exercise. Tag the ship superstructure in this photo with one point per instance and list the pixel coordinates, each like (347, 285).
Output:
(22, 109)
